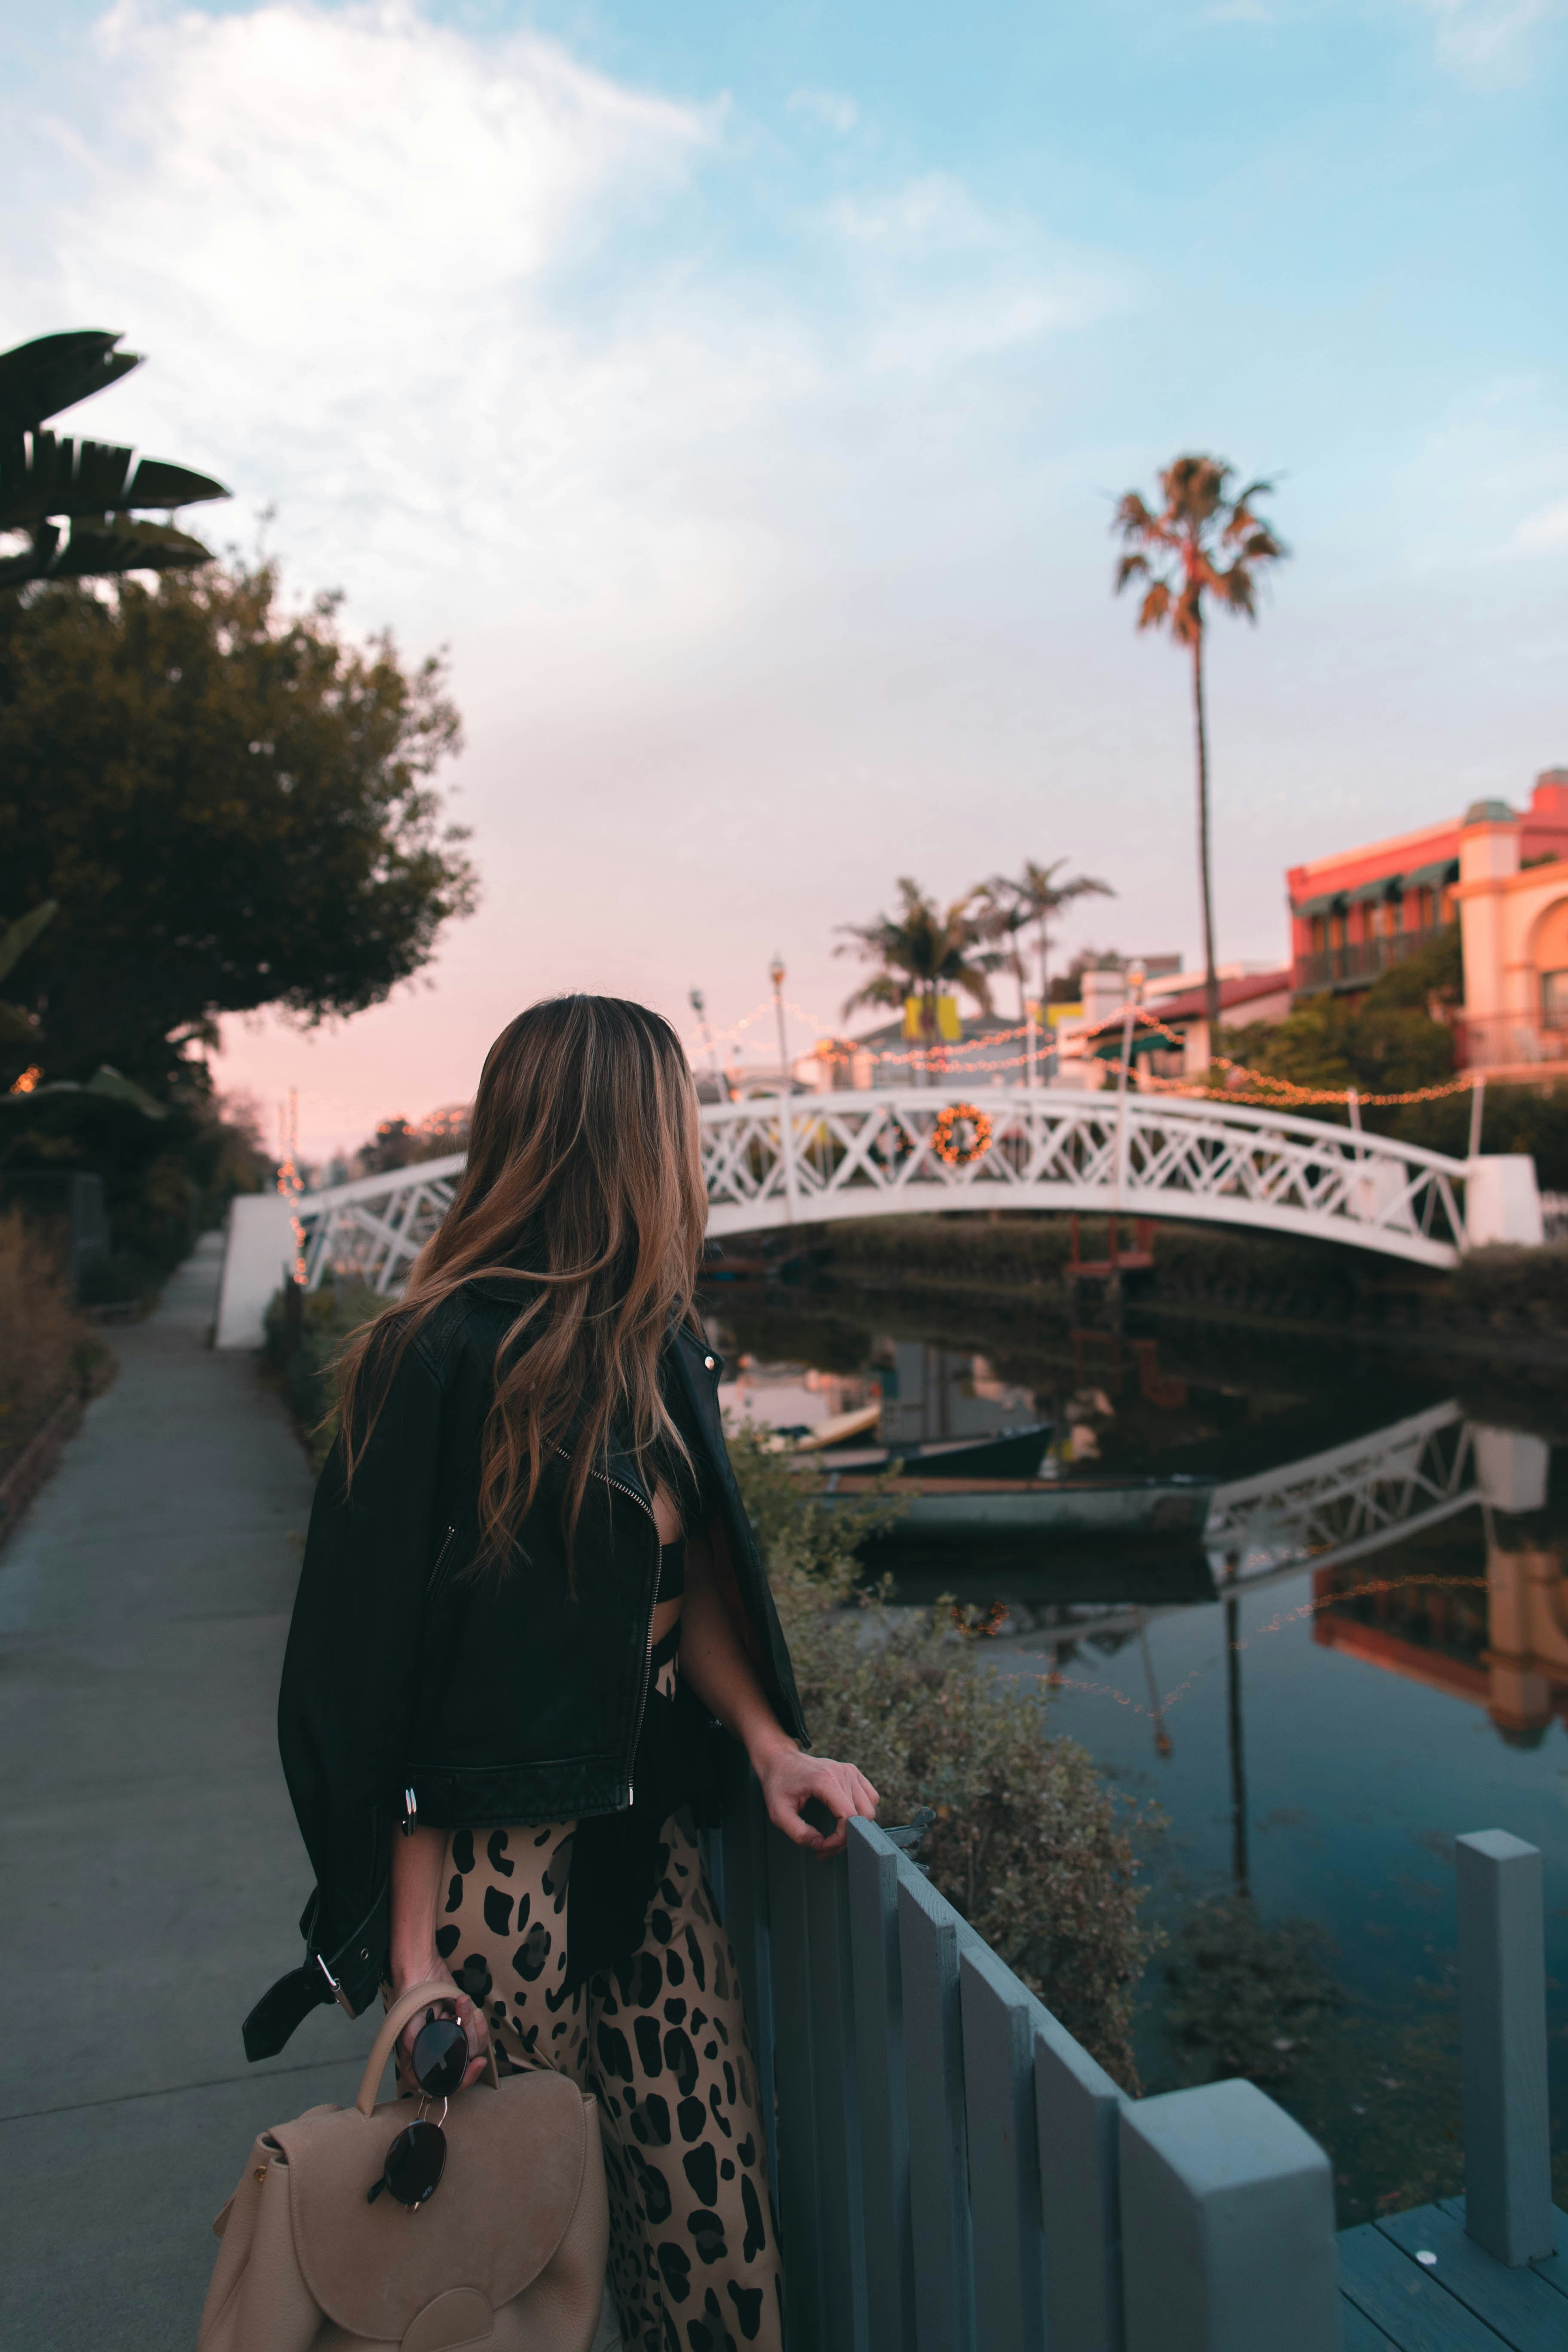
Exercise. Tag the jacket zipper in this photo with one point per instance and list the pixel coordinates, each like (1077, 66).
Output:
(642, 1503)
(433, 1587)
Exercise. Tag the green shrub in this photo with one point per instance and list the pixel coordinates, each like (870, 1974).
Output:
(303, 1340)
(166, 1180)
(1381, 1040)
(1027, 1843)
(117, 1278)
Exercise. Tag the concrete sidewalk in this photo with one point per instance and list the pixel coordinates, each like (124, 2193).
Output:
(154, 1873)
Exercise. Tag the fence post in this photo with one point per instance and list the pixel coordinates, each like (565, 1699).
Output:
(1503, 2047)
(1079, 2110)
(928, 1934)
(1228, 2226)
(795, 2078)
(998, 2019)
(835, 2060)
(880, 2063)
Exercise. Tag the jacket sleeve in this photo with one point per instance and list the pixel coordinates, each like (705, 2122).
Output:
(350, 1669)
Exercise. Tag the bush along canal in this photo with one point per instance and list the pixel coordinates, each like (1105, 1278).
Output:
(1299, 1590)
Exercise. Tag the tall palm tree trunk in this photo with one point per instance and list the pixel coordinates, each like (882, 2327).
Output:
(1211, 978)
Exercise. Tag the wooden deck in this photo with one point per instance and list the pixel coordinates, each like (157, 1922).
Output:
(1464, 2302)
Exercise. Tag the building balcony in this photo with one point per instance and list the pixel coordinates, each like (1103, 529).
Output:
(1356, 964)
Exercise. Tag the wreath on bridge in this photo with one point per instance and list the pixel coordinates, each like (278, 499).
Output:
(962, 1135)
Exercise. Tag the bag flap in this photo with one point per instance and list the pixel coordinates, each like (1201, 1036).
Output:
(515, 2159)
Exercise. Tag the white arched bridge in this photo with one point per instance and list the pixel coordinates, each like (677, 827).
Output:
(811, 1159)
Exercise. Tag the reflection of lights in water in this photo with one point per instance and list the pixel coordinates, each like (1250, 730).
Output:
(1056, 1679)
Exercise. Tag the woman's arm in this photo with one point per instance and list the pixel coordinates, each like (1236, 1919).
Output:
(713, 1661)
(417, 1876)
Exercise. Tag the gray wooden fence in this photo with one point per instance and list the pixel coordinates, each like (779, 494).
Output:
(955, 2173)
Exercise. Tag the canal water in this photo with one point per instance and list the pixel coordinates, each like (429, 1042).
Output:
(1319, 1627)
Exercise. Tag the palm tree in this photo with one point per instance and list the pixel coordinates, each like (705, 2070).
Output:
(1203, 541)
(1034, 897)
(72, 502)
(919, 950)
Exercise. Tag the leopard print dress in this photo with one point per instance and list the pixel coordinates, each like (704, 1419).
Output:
(661, 2041)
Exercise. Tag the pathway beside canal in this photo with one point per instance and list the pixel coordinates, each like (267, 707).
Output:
(152, 1865)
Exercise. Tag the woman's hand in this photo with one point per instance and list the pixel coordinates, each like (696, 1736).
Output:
(791, 1779)
(458, 2005)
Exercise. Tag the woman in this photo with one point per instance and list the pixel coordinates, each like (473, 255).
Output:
(529, 1593)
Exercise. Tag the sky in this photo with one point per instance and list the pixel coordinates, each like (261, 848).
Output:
(741, 393)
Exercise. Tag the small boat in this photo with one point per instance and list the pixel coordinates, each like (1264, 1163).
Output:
(1012, 1453)
(841, 1426)
(964, 1508)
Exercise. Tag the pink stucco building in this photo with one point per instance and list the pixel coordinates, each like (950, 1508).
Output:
(1500, 872)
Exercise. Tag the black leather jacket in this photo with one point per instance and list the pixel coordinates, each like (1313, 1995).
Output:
(471, 1699)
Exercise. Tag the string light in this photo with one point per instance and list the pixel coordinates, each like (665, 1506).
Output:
(291, 1179)
(1287, 1090)
(976, 1055)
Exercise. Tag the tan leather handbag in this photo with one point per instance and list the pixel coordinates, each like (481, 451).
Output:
(508, 2257)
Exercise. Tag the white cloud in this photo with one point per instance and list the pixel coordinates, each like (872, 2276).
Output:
(429, 294)
(830, 109)
(465, 311)
(942, 280)
(932, 214)
(352, 242)
(1488, 40)
(1546, 527)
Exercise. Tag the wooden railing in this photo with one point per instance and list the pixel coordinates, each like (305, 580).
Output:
(955, 2173)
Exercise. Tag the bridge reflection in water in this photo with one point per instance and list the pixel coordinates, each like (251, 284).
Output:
(1502, 1645)
(1499, 1642)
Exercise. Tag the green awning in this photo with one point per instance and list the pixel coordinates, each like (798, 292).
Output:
(1310, 908)
(1434, 877)
(1367, 894)
(1145, 1041)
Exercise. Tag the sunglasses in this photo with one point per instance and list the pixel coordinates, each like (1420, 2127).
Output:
(416, 2159)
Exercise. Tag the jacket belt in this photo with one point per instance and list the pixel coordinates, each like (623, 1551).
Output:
(350, 1976)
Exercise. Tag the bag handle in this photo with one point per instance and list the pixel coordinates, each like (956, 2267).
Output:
(397, 2017)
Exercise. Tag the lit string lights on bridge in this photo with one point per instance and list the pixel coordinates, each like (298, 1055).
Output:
(961, 1059)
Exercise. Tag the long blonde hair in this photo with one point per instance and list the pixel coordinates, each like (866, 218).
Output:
(585, 1179)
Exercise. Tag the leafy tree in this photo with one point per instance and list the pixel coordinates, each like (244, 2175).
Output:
(230, 802)
(1391, 1038)
(920, 950)
(396, 1144)
(16, 1023)
(1204, 542)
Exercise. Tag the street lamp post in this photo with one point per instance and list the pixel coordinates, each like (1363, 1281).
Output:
(786, 1123)
(699, 1006)
(776, 974)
